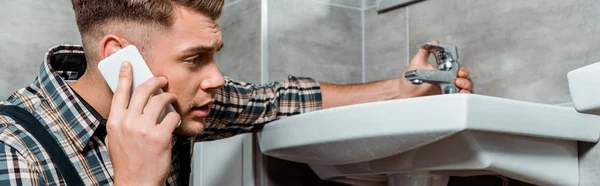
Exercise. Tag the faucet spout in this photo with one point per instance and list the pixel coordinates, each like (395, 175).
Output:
(447, 60)
(445, 79)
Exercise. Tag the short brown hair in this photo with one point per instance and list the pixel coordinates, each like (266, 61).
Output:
(93, 13)
(92, 16)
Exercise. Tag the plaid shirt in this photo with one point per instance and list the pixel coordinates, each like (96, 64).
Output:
(239, 107)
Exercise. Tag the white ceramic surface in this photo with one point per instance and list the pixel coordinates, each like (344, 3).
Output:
(458, 134)
(584, 86)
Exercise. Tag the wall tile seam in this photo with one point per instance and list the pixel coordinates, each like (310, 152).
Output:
(338, 5)
(264, 42)
(363, 43)
(264, 76)
(407, 20)
(231, 3)
(369, 7)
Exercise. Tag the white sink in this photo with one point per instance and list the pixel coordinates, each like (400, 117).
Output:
(419, 140)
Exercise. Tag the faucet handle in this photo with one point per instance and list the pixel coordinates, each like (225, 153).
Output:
(447, 60)
(446, 56)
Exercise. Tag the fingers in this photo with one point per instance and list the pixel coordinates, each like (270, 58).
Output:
(463, 83)
(142, 93)
(120, 99)
(463, 72)
(170, 123)
(157, 104)
(423, 54)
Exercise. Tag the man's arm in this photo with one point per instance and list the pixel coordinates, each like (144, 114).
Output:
(397, 88)
(341, 95)
(240, 107)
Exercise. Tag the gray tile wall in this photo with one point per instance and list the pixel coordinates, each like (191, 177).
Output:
(515, 49)
(518, 50)
(240, 56)
(386, 52)
(313, 39)
(29, 29)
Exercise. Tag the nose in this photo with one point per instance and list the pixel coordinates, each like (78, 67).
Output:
(215, 79)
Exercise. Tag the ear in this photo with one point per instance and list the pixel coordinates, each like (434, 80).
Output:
(111, 44)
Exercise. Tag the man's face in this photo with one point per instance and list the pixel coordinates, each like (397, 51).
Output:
(184, 54)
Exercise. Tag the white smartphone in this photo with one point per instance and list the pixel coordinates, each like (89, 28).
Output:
(111, 66)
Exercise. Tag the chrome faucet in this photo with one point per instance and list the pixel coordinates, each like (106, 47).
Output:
(447, 60)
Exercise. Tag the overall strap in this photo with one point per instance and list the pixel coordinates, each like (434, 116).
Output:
(39, 132)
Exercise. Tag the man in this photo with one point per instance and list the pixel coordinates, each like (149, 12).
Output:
(111, 139)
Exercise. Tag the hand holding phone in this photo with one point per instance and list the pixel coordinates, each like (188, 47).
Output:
(110, 68)
(138, 142)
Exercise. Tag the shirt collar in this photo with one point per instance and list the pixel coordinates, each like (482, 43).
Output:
(62, 64)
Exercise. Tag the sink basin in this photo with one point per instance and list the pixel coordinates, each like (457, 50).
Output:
(389, 142)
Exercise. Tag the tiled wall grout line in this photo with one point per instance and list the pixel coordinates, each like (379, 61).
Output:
(264, 45)
(407, 37)
(264, 70)
(337, 5)
(232, 3)
(362, 30)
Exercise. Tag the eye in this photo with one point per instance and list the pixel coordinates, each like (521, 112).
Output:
(195, 59)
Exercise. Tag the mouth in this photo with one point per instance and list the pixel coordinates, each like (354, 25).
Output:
(201, 111)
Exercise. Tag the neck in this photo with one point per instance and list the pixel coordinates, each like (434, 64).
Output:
(92, 88)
